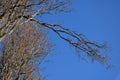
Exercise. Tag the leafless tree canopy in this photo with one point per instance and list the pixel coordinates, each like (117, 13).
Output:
(23, 50)
(16, 14)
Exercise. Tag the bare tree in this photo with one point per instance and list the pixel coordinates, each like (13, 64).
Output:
(24, 50)
(15, 13)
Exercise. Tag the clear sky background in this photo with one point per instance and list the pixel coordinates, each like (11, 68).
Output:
(99, 20)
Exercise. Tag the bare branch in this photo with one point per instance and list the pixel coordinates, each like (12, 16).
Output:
(78, 41)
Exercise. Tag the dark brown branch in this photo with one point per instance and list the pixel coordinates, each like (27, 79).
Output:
(78, 41)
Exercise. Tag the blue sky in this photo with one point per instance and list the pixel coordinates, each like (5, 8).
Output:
(99, 20)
